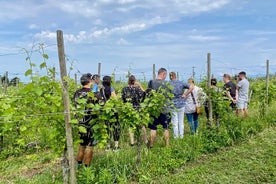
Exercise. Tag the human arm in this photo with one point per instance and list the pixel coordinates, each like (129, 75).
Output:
(113, 93)
(190, 89)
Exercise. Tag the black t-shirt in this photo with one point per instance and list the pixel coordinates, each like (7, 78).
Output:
(230, 87)
(84, 94)
(158, 84)
(133, 95)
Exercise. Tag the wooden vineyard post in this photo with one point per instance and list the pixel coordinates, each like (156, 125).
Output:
(267, 81)
(54, 73)
(66, 101)
(99, 69)
(76, 81)
(6, 82)
(153, 72)
(210, 105)
(1, 81)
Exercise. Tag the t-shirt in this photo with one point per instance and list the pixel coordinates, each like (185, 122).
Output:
(243, 90)
(156, 84)
(133, 95)
(81, 94)
(230, 87)
(178, 89)
(95, 88)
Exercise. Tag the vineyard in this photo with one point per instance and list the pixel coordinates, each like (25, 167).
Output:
(32, 128)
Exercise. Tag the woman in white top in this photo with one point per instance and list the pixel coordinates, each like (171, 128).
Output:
(192, 102)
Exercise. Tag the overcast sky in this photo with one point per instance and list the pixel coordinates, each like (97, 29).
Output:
(134, 34)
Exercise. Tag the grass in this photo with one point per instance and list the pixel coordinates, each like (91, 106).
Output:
(253, 161)
(250, 162)
(33, 168)
(250, 159)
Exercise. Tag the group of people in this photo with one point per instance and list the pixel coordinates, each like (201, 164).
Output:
(186, 97)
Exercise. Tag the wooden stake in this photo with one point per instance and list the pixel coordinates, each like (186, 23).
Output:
(99, 69)
(210, 105)
(267, 80)
(66, 101)
(153, 72)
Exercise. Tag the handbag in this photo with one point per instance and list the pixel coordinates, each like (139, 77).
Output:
(198, 109)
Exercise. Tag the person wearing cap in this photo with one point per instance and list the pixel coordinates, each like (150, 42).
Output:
(242, 93)
(133, 93)
(85, 152)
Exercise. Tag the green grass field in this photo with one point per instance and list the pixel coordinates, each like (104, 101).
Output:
(252, 161)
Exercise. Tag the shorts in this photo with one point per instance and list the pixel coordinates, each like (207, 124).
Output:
(163, 120)
(241, 105)
(87, 138)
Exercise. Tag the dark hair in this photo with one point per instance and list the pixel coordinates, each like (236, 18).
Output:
(85, 79)
(107, 86)
(214, 81)
(131, 80)
(242, 73)
(96, 76)
(161, 70)
(172, 75)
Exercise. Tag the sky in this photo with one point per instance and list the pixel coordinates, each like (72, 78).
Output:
(132, 35)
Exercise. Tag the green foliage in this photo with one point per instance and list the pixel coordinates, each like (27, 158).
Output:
(33, 112)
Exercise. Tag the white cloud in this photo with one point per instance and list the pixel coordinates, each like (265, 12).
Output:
(204, 38)
(260, 32)
(122, 41)
(33, 26)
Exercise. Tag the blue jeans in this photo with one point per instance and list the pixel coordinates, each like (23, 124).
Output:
(193, 121)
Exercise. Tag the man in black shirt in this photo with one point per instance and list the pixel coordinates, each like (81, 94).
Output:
(163, 118)
(85, 152)
(230, 90)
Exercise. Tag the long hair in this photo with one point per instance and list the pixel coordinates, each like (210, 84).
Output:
(131, 80)
(172, 75)
(107, 86)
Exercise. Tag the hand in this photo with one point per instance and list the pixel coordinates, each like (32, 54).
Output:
(184, 96)
(234, 101)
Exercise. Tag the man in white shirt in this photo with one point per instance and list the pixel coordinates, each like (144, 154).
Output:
(243, 93)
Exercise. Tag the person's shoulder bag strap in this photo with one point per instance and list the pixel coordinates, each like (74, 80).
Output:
(193, 97)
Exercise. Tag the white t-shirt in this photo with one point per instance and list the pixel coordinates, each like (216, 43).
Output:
(243, 90)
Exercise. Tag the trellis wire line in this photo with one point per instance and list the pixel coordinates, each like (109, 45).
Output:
(23, 52)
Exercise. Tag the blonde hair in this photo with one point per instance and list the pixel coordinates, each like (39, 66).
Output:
(191, 80)
(172, 75)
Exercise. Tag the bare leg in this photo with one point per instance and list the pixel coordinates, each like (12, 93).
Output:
(116, 144)
(88, 155)
(131, 136)
(240, 112)
(152, 137)
(245, 112)
(145, 138)
(80, 155)
(166, 137)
